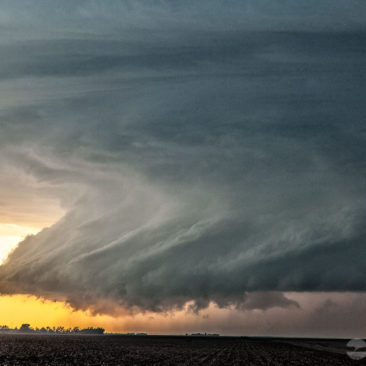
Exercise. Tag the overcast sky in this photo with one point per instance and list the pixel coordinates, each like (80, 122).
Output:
(186, 153)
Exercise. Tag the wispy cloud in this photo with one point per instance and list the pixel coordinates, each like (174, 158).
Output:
(197, 154)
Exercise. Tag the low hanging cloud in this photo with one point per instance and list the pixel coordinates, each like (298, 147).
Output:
(189, 169)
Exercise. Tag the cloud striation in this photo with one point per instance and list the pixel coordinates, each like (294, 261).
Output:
(199, 152)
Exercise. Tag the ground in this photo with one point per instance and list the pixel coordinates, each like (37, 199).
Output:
(164, 350)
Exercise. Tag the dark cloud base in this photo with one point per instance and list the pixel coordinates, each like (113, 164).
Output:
(194, 165)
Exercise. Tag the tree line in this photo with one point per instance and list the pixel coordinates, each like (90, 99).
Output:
(26, 328)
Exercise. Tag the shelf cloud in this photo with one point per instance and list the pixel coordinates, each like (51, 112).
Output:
(200, 153)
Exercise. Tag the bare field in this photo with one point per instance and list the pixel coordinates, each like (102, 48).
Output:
(165, 350)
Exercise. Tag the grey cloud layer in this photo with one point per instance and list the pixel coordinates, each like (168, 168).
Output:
(190, 167)
(131, 19)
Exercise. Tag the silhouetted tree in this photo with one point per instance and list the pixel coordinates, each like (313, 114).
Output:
(25, 328)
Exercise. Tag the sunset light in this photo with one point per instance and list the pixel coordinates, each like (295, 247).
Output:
(7, 243)
(11, 235)
(187, 168)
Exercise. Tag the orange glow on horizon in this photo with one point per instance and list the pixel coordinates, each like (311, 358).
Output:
(18, 309)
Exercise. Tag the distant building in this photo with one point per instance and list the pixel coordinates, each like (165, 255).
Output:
(204, 335)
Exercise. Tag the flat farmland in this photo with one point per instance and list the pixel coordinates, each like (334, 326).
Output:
(165, 350)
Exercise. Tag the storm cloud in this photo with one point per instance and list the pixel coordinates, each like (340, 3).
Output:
(198, 152)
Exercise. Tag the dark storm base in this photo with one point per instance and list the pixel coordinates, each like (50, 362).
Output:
(165, 350)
